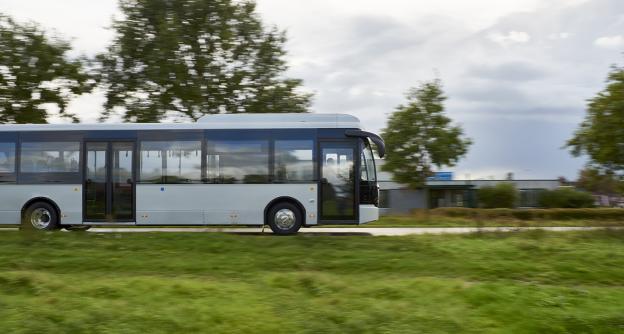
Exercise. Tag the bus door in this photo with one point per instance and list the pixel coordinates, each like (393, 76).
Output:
(109, 181)
(338, 200)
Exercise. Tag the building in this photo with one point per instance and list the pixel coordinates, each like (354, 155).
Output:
(396, 198)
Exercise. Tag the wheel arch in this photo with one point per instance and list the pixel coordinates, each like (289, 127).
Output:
(41, 199)
(286, 199)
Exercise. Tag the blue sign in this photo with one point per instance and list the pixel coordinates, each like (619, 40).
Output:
(441, 176)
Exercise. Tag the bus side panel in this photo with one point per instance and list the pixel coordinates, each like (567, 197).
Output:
(68, 197)
(217, 204)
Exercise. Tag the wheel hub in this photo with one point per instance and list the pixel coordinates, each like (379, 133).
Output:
(285, 219)
(40, 218)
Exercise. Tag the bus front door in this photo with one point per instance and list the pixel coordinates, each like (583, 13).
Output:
(109, 182)
(338, 188)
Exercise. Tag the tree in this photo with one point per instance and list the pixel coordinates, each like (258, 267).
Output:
(502, 195)
(186, 58)
(597, 181)
(34, 71)
(419, 136)
(601, 134)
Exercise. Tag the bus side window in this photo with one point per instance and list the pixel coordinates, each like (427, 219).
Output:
(7, 162)
(293, 161)
(7, 157)
(170, 161)
(50, 157)
(50, 162)
(237, 161)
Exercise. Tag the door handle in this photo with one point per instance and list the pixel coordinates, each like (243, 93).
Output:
(88, 181)
(129, 181)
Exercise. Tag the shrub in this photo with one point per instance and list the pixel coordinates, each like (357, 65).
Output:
(598, 214)
(565, 198)
(502, 195)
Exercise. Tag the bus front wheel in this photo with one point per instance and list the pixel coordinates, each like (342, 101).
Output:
(285, 218)
(40, 216)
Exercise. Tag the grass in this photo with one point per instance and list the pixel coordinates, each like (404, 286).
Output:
(422, 220)
(215, 283)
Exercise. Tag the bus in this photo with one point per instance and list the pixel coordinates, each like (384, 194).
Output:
(281, 170)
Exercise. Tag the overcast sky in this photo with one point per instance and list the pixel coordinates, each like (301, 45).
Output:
(517, 72)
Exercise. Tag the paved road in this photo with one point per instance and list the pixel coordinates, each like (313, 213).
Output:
(373, 231)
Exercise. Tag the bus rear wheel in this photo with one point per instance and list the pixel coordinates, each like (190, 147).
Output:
(41, 216)
(285, 218)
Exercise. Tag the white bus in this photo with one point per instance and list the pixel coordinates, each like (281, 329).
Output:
(281, 170)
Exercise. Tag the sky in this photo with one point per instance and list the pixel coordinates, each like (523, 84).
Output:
(517, 73)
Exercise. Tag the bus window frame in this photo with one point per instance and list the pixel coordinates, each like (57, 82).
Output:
(82, 136)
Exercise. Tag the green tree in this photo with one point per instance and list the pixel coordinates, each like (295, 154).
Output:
(419, 136)
(599, 181)
(502, 195)
(601, 134)
(186, 58)
(34, 71)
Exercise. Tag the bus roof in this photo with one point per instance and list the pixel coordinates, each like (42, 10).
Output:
(218, 121)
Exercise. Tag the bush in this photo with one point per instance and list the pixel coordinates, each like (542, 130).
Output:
(565, 198)
(599, 214)
(502, 195)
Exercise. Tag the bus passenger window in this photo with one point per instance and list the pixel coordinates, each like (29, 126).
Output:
(238, 161)
(7, 157)
(170, 162)
(293, 161)
(50, 157)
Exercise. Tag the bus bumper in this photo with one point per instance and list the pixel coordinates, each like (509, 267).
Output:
(368, 213)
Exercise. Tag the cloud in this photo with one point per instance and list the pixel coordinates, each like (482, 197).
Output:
(610, 42)
(526, 148)
(512, 37)
(491, 94)
(560, 35)
(508, 71)
(84, 23)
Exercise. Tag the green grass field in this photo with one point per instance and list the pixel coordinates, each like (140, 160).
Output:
(215, 283)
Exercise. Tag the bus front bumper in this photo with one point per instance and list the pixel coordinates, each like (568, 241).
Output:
(368, 213)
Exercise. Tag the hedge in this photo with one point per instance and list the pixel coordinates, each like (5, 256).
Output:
(531, 214)
(565, 198)
(502, 195)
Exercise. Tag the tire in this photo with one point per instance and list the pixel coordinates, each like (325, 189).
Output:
(40, 216)
(77, 228)
(285, 218)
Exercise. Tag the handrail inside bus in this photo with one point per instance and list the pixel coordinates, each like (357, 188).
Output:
(381, 146)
